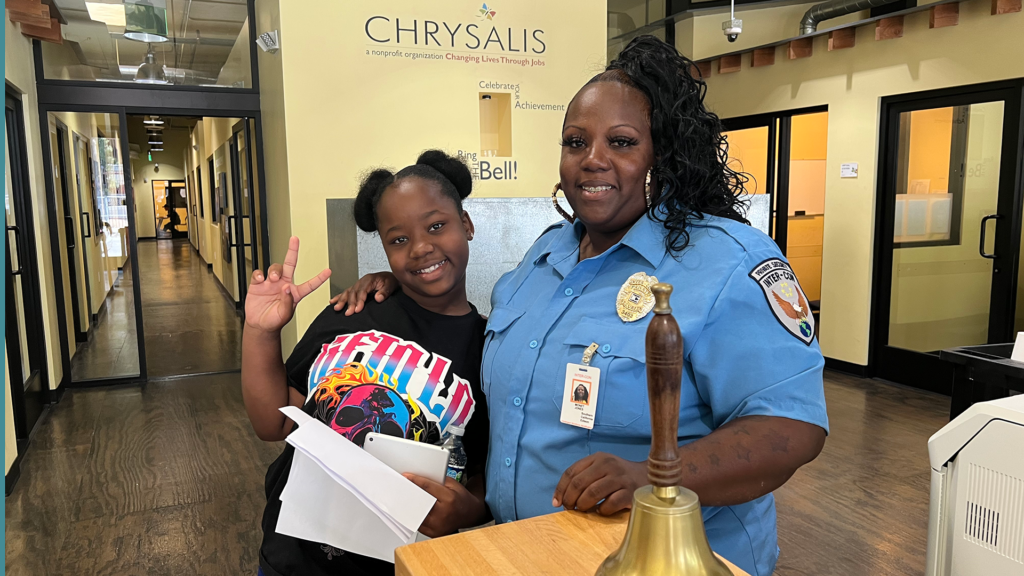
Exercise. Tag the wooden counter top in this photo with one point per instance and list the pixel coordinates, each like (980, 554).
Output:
(564, 543)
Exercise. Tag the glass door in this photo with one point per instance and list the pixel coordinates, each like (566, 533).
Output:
(86, 209)
(949, 236)
(751, 148)
(247, 223)
(102, 222)
(26, 344)
(783, 156)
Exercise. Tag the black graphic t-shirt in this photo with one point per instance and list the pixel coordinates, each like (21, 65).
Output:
(394, 368)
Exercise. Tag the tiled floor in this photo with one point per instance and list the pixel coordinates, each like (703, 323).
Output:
(190, 325)
(167, 479)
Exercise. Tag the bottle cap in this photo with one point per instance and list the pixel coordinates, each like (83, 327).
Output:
(456, 431)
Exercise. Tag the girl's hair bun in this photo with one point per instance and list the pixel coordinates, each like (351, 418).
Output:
(365, 207)
(453, 169)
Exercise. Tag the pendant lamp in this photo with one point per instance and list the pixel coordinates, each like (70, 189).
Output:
(149, 71)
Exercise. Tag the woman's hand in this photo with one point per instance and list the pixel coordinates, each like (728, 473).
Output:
(598, 477)
(353, 297)
(455, 508)
(271, 301)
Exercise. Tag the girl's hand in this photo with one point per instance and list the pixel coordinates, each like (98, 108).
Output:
(353, 297)
(600, 477)
(455, 508)
(271, 301)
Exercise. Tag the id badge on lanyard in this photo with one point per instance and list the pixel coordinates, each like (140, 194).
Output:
(579, 398)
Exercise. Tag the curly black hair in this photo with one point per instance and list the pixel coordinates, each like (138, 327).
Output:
(451, 173)
(691, 155)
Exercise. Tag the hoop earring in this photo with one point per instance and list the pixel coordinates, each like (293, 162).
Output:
(647, 189)
(554, 200)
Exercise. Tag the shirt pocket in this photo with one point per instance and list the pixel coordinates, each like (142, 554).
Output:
(622, 392)
(498, 325)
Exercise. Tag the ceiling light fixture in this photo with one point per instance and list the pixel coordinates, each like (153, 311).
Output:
(150, 72)
(155, 121)
(145, 22)
(156, 149)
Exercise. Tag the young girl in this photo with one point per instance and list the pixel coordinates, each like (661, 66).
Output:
(408, 366)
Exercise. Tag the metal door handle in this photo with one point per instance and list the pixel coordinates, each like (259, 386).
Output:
(87, 224)
(17, 248)
(69, 231)
(231, 232)
(981, 246)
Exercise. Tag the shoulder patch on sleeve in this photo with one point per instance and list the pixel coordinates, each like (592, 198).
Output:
(785, 298)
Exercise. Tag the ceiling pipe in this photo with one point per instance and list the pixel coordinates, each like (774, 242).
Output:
(834, 9)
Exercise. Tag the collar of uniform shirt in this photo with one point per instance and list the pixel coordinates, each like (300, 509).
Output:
(646, 238)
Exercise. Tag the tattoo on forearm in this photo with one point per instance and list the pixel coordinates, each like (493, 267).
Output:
(778, 442)
(742, 452)
(714, 459)
(692, 467)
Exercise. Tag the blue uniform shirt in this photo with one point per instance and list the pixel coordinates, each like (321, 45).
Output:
(748, 350)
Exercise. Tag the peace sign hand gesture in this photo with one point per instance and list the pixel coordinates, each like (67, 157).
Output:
(271, 301)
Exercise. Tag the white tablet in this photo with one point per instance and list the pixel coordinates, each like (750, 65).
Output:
(408, 456)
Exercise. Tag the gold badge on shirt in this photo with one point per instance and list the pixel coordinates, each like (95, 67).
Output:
(635, 298)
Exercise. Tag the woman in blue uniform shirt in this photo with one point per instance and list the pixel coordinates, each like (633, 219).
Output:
(644, 171)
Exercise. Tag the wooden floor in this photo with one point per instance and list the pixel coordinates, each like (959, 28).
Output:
(190, 324)
(168, 479)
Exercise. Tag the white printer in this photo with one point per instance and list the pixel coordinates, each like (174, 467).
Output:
(976, 514)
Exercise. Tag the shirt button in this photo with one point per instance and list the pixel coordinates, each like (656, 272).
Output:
(508, 461)
(517, 401)
(568, 291)
(606, 348)
(533, 343)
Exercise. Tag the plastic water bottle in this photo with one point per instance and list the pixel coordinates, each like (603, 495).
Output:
(456, 455)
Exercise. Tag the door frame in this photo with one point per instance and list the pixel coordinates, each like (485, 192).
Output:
(26, 407)
(918, 369)
(56, 100)
(77, 138)
(44, 112)
(779, 126)
(70, 235)
(152, 193)
(236, 225)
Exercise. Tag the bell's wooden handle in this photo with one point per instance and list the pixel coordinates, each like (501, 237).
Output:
(664, 377)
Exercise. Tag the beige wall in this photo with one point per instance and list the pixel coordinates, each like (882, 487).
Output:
(852, 82)
(208, 135)
(275, 149)
(384, 112)
(20, 73)
(10, 440)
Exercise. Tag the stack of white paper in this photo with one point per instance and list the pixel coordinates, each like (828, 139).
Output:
(339, 495)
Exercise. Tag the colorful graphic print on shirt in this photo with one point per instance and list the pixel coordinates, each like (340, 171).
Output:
(375, 382)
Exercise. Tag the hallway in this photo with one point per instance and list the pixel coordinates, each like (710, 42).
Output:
(190, 325)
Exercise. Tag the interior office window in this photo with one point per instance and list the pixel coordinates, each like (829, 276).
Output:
(806, 201)
(748, 154)
(930, 176)
(152, 42)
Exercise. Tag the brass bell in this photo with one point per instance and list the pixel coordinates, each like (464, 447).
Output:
(665, 536)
